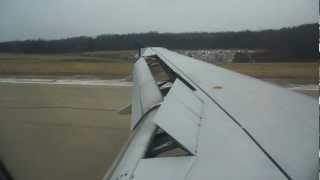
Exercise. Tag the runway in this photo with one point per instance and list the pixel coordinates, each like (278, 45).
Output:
(59, 131)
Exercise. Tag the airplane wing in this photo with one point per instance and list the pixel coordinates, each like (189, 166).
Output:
(192, 120)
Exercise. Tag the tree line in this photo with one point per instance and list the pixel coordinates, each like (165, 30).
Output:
(299, 42)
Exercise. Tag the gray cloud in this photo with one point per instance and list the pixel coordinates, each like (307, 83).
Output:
(50, 19)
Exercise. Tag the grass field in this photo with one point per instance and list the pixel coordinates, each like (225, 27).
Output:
(109, 69)
(116, 64)
(112, 64)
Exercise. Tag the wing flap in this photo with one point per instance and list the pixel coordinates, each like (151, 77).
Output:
(172, 168)
(179, 116)
(145, 91)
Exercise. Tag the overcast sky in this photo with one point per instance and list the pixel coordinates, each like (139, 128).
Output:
(52, 19)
